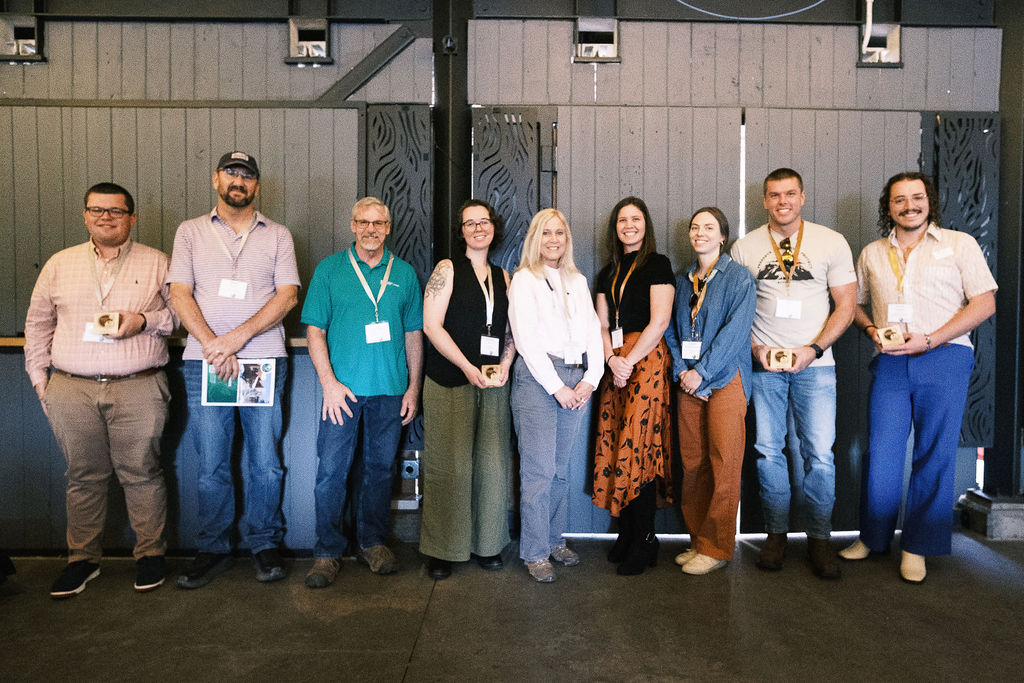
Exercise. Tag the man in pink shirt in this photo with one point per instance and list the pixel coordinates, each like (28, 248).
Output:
(94, 351)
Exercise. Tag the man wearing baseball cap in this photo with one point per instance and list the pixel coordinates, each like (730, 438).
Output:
(233, 278)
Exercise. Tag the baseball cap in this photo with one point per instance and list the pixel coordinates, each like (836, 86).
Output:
(239, 159)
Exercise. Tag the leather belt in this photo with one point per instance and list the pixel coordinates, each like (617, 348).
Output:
(111, 378)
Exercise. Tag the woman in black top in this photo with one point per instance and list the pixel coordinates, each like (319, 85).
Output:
(634, 303)
(466, 416)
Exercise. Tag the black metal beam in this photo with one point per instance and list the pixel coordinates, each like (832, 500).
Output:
(452, 120)
(368, 66)
(1003, 467)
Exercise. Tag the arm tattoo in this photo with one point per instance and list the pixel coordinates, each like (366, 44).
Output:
(510, 345)
(436, 283)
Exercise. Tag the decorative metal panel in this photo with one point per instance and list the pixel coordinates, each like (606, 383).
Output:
(400, 171)
(506, 170)
(961, 151)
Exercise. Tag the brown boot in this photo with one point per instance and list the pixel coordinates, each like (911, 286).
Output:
(772, 552)
(824, 562)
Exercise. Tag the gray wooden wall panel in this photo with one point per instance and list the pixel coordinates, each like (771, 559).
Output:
(165, 157)
(714, 65)
(214, 61)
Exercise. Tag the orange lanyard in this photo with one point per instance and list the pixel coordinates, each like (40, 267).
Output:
(701, 291)
(622, 288)
(796, 252)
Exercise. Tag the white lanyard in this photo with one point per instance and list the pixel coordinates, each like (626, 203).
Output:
(102, 295)
(224, 246)
(366, 287)
(488, 297)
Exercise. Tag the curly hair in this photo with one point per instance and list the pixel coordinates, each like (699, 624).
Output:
(885, 221)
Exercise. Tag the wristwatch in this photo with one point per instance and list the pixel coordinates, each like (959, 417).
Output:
(818, 351)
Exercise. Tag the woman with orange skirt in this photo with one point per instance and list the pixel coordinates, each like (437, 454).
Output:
(634, 304)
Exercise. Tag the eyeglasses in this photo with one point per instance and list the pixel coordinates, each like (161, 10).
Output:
(239, 172)
(473, 225)
(787, 252)
(903, 201)
(365, 224)
(115, 212)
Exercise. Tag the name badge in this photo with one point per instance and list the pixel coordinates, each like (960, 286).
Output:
(378, 332)
(691, 350)
(901, 313)
(617, 337)
(91, 335)
(232, 289)
(573, 357)
(488, 345)
(789, 308)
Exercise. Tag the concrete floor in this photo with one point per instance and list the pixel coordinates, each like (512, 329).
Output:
(739, 624)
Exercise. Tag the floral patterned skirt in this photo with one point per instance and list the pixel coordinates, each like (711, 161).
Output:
(634, 430)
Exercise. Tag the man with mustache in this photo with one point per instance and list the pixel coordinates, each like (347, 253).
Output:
(933, 283)
(233, 278)
(798, 266)
(364, 318)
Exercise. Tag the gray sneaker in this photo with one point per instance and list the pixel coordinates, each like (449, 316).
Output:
(541, 570)
(322, 575)
(564, 556)
(379, 559)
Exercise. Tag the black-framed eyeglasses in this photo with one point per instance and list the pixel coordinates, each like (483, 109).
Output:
(239, 172)
(472, 225)
(365, 224)
(115, 212)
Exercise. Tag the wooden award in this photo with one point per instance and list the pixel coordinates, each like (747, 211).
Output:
(890, 336)
(492, 375)
(780, 359)
(106, 323)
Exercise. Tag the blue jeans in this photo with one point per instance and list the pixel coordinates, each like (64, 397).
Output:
(212, 429)
(812, 395)
(335, 448)
(929, 391)
(549, 436)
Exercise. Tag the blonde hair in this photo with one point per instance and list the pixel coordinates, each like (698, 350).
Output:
(531, 259)
(366, 202)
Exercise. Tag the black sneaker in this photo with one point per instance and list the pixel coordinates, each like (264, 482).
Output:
(269, 566)
(204, 569)
(149, 573)
(72, 580)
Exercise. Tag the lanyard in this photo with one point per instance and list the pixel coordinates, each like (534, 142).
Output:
(224, 246)
(796, 253)
(488, 296)
(622, 288)
(897, 270)
(565, 300)
(101, 295)
(701, 290)
(366, 287)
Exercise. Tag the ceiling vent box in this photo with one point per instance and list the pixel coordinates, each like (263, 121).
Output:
(308, 41)
(597, 40)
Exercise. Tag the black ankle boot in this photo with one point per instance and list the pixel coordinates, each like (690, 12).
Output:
(643, 552)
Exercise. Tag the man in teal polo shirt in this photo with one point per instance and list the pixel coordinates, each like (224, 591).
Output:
(364, 316)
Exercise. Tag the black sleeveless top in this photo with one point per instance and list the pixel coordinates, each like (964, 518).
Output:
(466, 321)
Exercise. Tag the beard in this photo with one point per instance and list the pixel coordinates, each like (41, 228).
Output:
(245, 201)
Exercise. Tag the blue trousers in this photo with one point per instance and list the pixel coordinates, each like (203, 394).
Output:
(812, 394)
(549, 437)
(212, 430)
(928, 391)
(381, 417)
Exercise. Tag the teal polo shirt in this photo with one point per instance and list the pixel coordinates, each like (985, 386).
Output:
(336, 302)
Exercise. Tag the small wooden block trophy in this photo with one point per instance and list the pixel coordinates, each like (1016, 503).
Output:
(106, 323)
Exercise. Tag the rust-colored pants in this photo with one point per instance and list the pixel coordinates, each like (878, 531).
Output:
(712, 436)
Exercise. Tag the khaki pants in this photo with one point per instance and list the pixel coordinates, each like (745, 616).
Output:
(107, 428)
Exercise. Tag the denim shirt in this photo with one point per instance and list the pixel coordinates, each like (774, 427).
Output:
(723, 325)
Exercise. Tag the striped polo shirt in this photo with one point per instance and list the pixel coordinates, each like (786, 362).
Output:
(266, 262)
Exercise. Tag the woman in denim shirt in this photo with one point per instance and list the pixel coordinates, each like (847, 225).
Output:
(709, 340)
